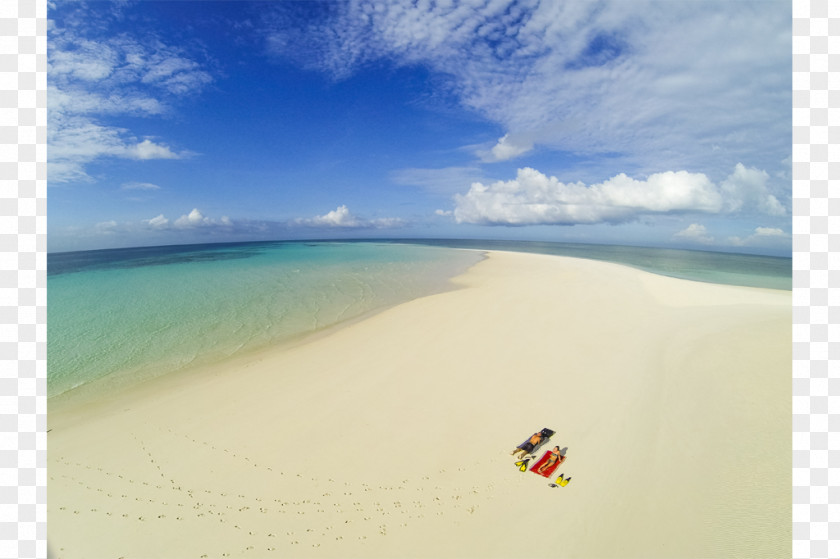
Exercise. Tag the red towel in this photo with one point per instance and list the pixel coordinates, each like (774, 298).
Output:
(548, 471)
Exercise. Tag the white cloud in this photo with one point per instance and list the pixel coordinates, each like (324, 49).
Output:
(696, 233)
(747, 188)
(159, 222)
(177, 74)
(341, 217)
(147, 149)
(87, 61)
(769, 232)
(196, 219)
(78, 101)
(668, 84)
(94, 76)
(139, 186)
(762, 236)
(506, 148)
(75, 141)
(193, 220)
(534, 198)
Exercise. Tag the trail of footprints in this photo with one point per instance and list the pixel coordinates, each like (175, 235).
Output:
(343, 507)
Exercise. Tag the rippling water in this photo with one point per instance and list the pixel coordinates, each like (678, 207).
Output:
(128, 314)
(134, 313)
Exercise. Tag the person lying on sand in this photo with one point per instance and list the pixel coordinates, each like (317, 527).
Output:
(527, 446)
(552, 459)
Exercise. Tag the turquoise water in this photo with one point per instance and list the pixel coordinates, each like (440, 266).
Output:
(119, 316)
(125, 315)
(712, 267)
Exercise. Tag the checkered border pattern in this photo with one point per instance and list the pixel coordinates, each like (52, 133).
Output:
(816, 231)
(23, 285)
(816, 269)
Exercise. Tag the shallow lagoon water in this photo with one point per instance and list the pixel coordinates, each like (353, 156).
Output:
(124, 315)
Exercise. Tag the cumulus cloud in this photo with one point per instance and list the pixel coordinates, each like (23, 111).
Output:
(196, 219)
(747, 188)
(761, 236)
(193, 220)
(696, 233)
(158, 222)
(536, 199)
(765, 237)
(147, 149)
(341, 217)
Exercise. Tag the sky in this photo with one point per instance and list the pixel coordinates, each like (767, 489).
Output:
(657, 123)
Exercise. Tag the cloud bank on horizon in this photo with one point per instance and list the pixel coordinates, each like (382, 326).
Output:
(534, 199)
(650, 122)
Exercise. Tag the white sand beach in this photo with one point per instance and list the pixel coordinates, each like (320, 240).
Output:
(391, 436)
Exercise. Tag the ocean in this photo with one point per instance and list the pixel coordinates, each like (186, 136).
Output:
(119, 316)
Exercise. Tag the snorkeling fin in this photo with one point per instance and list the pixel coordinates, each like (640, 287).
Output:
(565, 482)
(524, 465)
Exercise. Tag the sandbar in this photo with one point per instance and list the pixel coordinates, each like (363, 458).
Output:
(391, 436)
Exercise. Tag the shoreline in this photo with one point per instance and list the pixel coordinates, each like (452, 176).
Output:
(105, 387)
(389, 436)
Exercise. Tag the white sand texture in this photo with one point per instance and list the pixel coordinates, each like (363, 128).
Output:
(391, 436)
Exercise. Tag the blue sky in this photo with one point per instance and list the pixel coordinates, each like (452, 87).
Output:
(660, 123)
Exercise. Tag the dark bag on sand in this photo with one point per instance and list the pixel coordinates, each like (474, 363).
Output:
(547, 432)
